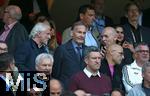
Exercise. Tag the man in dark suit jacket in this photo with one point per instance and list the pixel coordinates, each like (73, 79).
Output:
(13, 33)
(26, 53)
(29, 10)
(68, 57)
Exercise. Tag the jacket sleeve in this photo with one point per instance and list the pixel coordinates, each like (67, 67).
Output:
(125, 78)
(58, 59)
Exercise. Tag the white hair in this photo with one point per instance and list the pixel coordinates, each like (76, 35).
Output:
(42, 56)
(15, 12)
(39, 27)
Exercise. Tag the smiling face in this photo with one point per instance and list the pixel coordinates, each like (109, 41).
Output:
(78, 34)
(133, 13)
(120, 34)
(142, 54)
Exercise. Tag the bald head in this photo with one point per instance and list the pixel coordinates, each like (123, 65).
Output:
(55, 87)
(12, 13)
(109, 36)
(115, 54)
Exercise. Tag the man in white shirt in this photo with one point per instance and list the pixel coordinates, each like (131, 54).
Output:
(132, 74)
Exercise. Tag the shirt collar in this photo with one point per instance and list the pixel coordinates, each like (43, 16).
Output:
(12, 24)
(89, 74)
(75, 44)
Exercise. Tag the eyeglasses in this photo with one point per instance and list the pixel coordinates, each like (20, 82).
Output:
(143, 51)
(53, 93)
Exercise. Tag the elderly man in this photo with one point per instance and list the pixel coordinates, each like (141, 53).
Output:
(26, 53)
(13, 33)
(68, 57)
(44, 63)
(90, 79)
(132, 74)
(144, 88)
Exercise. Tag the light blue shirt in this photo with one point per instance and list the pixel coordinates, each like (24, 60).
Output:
(90, 40)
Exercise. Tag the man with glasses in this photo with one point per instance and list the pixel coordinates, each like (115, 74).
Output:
(132, 74)
(13, 33)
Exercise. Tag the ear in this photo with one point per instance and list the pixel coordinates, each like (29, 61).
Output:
(86, 60)
(81, 16)
(71, 33)
(36, 67)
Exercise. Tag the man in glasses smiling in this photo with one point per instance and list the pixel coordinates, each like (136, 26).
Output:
(132, 74)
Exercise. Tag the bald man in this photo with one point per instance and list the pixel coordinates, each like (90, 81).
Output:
(109, 36)
(111, 65)
(55, 87)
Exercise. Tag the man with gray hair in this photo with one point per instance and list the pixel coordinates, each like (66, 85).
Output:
(13, 33)
(44, 63)
(132, 73)
(142, 89)
(26, 53)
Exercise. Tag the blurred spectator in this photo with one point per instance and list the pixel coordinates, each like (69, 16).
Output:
(29, 10)
(135, 33)
(3, 47)
(101, 19)
(142, 89)
(81, 93)
(13, 33)
(117, 92)
(132, 74)
(56, 88)
(6, 65)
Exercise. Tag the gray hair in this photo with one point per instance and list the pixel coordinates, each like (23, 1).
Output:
(90, 49)
(43, 56)
(147, 64)
(110, 29)
(137, 47)
(14, 12)
(39, 27)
